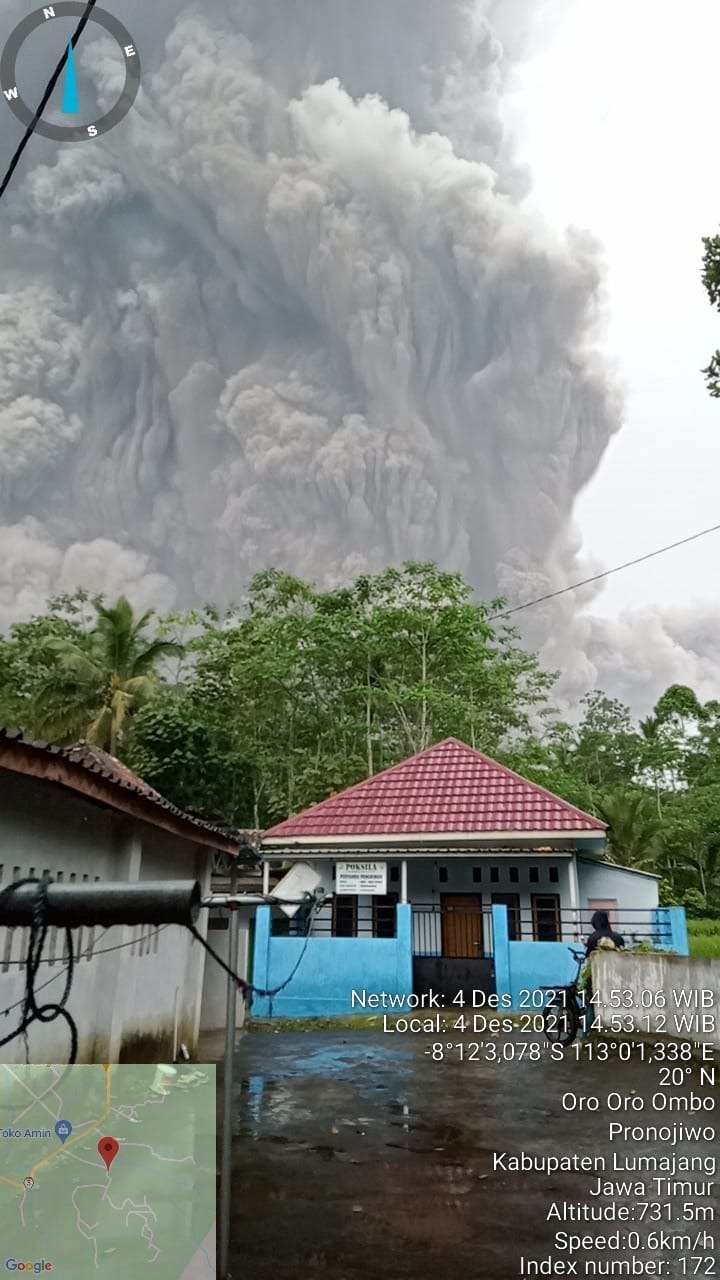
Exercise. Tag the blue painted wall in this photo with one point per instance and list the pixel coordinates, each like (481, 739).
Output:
(524, 966)
(329, 970)
(673, 930)
(538, 964)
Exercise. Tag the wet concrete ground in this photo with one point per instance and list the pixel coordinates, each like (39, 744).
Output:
(357, 1156)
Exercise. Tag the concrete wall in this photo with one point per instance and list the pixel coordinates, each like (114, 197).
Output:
(636, 894)
(136, 991)
(214, 997)
(426, 888)
(328, 970)
(525, 966)
(671, 995)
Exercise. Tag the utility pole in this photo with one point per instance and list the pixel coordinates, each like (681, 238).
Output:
(226, 1148)
(231, 901)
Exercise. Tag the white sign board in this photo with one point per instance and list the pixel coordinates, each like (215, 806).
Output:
(361, 877)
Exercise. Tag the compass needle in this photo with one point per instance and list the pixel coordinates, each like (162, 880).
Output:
(71, 105)
(82, 13)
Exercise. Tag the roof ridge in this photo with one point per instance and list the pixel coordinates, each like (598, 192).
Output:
(463, 799)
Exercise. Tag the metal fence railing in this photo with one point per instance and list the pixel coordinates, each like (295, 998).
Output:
(341, 917)
(451, 930)
(454, 929)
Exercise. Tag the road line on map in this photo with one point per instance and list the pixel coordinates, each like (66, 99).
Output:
(88, 1129)
(95, 1125)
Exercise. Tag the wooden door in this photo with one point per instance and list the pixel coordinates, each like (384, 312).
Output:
(461, 915)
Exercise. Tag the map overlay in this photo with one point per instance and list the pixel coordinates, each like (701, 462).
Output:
(107, 1168)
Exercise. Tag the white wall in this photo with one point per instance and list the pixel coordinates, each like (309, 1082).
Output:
(214, 997)
(636, 895)
(136, 991)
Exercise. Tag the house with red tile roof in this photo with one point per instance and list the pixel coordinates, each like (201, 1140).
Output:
(436, 860)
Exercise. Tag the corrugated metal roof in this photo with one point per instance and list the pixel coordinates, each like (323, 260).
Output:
(448, 789)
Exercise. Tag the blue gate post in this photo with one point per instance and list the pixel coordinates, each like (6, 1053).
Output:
(261, 961)
(403, 917)
(671, 924)
(501, 942)
(679, 941)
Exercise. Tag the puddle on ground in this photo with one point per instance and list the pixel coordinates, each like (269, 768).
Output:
(343, 1183)
(331, 1080)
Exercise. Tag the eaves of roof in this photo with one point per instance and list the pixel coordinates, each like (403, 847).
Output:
(99, 777)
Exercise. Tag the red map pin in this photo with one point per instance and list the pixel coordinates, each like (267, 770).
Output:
(108, 1148)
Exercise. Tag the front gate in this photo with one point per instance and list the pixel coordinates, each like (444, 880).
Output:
(452, 947)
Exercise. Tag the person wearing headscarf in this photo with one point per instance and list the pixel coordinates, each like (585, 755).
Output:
(602, 936)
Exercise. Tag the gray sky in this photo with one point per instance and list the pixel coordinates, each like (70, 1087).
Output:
(619, 124)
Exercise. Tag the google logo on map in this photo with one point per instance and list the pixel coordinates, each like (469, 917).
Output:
(12, 1264)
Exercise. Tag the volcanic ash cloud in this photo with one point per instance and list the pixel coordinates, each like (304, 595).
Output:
(295, 311)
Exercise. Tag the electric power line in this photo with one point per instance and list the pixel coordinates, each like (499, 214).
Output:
(248, 988)
(45, 99)
(89, 954)
(32, 1012)
(605, 574)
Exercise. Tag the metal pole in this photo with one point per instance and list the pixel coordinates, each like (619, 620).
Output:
(250, 900)
(226, 1149)
(574, 897)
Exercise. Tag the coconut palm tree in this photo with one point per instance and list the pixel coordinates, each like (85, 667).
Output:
(635, 836)
(94, 686)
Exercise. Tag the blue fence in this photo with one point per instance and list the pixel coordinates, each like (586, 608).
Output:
(329, 970)
(524, 966)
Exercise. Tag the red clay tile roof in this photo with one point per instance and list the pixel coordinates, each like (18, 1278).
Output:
(447, 789)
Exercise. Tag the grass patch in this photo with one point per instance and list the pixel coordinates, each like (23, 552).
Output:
(704, 925)
(705, 946)
(704, 938)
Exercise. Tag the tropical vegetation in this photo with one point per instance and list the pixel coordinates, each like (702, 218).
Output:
(252, 713)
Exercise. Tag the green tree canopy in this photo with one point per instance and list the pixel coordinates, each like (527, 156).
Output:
(711, 281)
(351, 681)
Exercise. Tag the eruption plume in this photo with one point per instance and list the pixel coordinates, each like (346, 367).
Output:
(296, 311)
